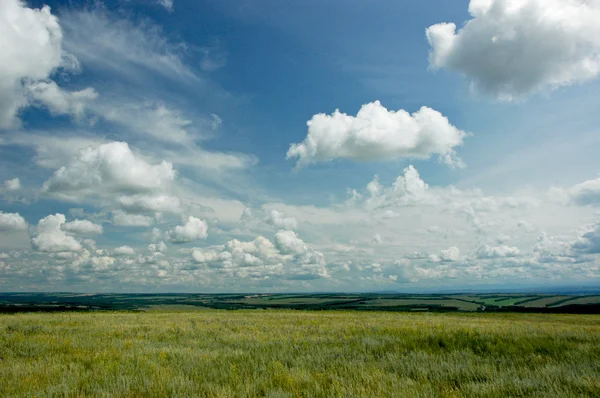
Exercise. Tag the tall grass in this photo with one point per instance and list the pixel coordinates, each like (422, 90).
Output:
(298, 354)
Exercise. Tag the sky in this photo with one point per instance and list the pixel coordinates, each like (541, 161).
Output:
(260, 146)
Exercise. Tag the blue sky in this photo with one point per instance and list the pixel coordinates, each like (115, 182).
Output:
(164, 146)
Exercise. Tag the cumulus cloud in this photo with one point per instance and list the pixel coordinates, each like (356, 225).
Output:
(124, 251)
(107, 169)
(12, 185)
(279, 220)
(514, 47)
(31, 42)
(288, 258)
(12, 222)
(193, 229)
(50, 237)
(376, 133)
(288, 243)
(82, 227)
(487, 251)
(256, 259)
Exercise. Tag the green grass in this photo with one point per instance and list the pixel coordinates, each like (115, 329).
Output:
(296, 353)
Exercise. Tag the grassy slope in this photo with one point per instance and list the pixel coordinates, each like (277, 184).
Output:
(298, 353)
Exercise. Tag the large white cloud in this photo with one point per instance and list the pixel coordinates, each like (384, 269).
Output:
(107, 169)
(31, 45)
(193, 229)
(12, 222)
(376, 133)
(514, 47)
(49, 236)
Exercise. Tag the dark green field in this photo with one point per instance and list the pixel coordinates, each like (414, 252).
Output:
(545, 303)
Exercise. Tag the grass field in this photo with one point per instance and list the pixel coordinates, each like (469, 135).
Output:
(276, 353)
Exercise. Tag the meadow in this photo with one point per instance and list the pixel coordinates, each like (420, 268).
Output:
(289, 353)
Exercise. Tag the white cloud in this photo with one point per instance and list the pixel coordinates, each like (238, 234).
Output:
(124, 251)
(101, 263)
(128, 48)
(487, 251)
(150, 203)
(83, 227)
(377, 239)
(131, 220)
(410, 184)
(149, 119)
(12, 222)
(193, 229)
(290, 258)
(288, 243)
(160, 247)
(31, 43)
(586, 193)
(514, 47)
(59, 101)
(12, 185)
(49, 236)
(54, 150)
(378, 134)
(209, 161)
(279, 220)
(107, 169)
(256, 259)
(589, 242)
(449, 255)
(168, 4)
(30, 40)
